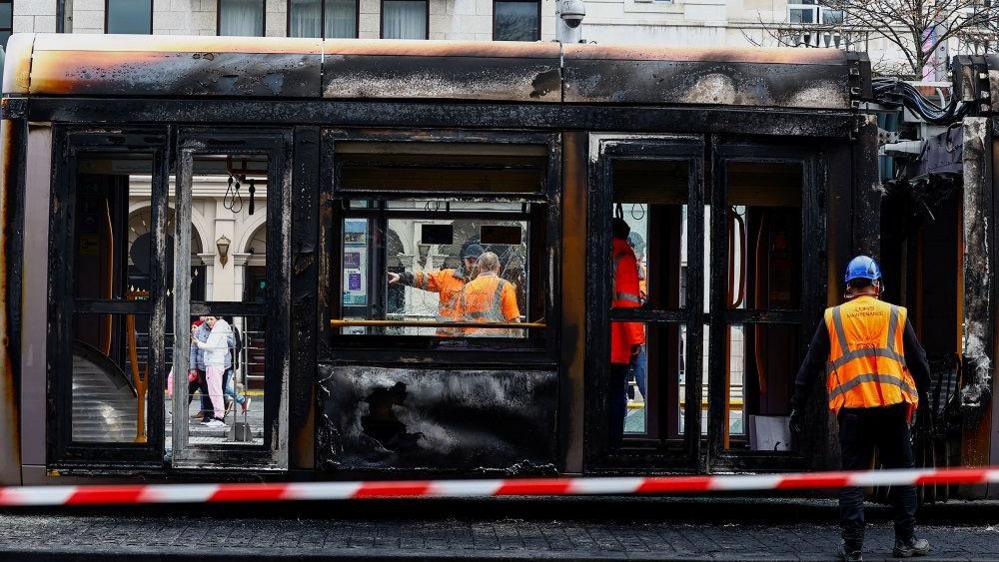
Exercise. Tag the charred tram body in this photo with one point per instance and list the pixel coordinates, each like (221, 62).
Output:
(321, 197)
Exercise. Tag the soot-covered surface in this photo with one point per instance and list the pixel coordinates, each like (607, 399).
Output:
(438, 420)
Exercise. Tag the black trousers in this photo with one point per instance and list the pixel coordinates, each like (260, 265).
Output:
(617, 405)
(861, 430)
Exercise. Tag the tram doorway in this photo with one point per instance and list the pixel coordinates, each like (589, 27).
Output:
(729, 298)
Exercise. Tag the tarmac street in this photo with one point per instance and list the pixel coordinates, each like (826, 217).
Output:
(595, 528)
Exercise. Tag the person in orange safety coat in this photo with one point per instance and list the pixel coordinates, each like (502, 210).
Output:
(626, 337)
(447, 283)
(876, 374)
(489, 298)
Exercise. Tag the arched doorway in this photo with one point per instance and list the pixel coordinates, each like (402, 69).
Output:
(140, 250)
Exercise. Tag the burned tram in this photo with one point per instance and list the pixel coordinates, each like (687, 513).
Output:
(290, 232)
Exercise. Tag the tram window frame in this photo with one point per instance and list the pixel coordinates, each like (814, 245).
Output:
(659, 448)
(543, 226)
(69, 144)
(722, 317)
(277, 144)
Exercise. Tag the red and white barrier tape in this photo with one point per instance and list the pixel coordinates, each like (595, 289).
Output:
(293, 491)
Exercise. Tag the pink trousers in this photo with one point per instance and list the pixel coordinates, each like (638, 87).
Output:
(213, 375)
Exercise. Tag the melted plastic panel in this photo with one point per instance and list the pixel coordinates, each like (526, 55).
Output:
(427, 419)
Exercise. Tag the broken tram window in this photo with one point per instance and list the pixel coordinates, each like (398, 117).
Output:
(412, 272)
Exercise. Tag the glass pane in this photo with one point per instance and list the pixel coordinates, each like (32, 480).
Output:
(241, 17)
(762, 363)
(832, 16)
(225, 381)
(341, 19)
(305, 18)
(109, 397)
(626, 362)
(656, 214)
(404, 19)
(226, 372)
(765, 250)
(4, 36)
(130, 16)
(107, 185)
(6, 15)
(681, 396)
(802, 15)
(458, 267)
(517, 21)
(655, 381)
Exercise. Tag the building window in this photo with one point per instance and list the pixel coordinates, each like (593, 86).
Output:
(405, 19)
(128, 16)
(329, 19)
(6, 21)
(241, 18)
(516, 20)
(808, 11)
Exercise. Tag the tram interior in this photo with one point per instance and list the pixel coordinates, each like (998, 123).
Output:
(922, 262)
(763, 217)
(415, 211)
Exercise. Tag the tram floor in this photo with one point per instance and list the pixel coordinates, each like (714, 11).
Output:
(610, 528)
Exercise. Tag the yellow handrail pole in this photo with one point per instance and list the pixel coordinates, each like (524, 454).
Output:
(336, 323)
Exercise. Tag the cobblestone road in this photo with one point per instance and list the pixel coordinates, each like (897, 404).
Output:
(242, 532)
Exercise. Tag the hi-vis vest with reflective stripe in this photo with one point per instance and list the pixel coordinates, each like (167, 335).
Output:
(625, 335)
(866, 366)
(487, 299)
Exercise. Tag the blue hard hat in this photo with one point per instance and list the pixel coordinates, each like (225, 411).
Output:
(862, 267)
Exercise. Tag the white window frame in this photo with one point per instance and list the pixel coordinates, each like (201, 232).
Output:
(818, 11)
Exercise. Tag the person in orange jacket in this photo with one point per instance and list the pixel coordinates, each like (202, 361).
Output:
(876, 374)
(447, 283)
(626, 337)
(489, 298)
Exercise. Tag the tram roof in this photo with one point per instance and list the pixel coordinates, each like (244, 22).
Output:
(540, 72)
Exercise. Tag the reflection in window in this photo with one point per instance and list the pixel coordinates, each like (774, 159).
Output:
(516, 21)
(463, 266)
(241, 18)
(130, 16)
(323, 18)
(404, 19)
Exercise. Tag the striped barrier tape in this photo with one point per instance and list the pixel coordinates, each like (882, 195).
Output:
(295, 491)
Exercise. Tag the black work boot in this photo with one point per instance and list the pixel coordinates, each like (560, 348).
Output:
(911, 547)
(851, 552)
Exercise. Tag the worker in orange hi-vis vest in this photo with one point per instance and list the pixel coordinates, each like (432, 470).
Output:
(489, 298)
(626, 337)
(876, 374)
(447, 283)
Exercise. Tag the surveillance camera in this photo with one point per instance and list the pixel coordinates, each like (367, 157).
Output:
(572, 12)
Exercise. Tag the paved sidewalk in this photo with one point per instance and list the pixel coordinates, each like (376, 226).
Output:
(469, 533)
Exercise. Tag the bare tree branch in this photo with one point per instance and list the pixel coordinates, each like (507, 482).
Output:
(916, 28)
